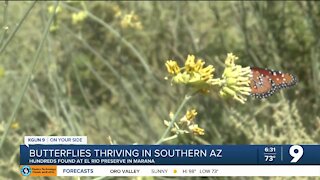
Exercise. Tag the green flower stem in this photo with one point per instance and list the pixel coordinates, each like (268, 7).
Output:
(174, 119)
(28, 79)
(3, 47)
(4, 25)
(170, 138)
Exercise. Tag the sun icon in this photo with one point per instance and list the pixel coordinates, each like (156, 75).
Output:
(175, 171)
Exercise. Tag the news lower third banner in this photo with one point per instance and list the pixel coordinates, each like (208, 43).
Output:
(81, 159)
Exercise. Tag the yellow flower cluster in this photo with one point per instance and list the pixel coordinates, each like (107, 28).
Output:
(51, 9)
(235, 80)
(54, 26)
(193, 73)
(117, 11)
(235, 83)
(15, 125)
(186, 124)
(79, 17)
(131, 21)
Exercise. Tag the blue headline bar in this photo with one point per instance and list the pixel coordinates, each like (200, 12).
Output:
(170, 155)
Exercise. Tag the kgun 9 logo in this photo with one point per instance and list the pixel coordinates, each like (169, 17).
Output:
(296, 152)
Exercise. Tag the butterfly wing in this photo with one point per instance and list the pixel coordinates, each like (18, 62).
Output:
(283, 80)
(265, 82)
(261, 84)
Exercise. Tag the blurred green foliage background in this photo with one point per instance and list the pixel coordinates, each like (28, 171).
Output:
(101, 75)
